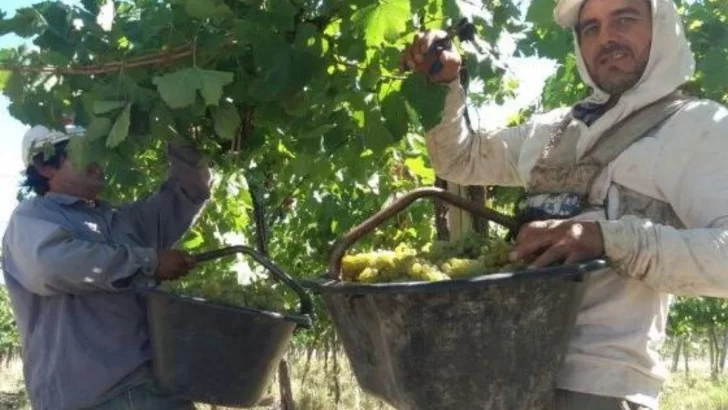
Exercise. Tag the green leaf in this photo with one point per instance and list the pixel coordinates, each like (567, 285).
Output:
(179, 89)
(99, 127)
(394, 109)
(78, 149)
(4, 78)
(417, 166)
(283, 12)
(540, 12)
(713, 65)
(318, 132)
(120, 130)
(15, 86)
(26, 22)
(371, 74)
(396, 119)
(385, 21)
(212, 83)
(428, 100)
(203, 9)
(103, 107)
(227, 121)
(377, 135)
(275, 65)
(195, 240)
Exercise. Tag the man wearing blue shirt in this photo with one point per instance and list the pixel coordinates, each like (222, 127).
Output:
(72, 263)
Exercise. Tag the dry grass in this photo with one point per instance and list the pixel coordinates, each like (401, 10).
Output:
(315, 390)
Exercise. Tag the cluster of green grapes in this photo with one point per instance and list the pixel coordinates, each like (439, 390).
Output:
(262, 294)
(471, 255)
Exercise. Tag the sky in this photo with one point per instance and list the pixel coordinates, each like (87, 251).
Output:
(530, 72)
(12, 133)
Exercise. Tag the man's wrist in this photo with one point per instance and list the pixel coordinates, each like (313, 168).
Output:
(619, 243)
(148, 261)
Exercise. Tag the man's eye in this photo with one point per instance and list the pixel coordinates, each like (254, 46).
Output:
(588, 31)
(626, 20)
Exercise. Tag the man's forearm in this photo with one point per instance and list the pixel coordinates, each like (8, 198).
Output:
(689, 262)
(466, 158)
(48, 259)
(190, 169)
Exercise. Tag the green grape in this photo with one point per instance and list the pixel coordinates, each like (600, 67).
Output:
(460, 268)
(369, 275)
(416, 269)
(261, 295)
(471, 255)
(352, 265)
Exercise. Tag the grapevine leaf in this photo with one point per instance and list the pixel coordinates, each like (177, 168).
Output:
(540, 12)
(274, 59)
(377, 135)
(428, 100)
(212, 83)
(120, 130)
(227, 121)
(179, 89)
(4, 77)
(203, 9)
(394, 110)
(417, 166)
(99, 127)
(418, 4)
(371, 74)
(103, 107)
(385, 21)
(194, 241)
(78, 149)
(283, 13)
(318, 132)
(27, 22)
(713, 65)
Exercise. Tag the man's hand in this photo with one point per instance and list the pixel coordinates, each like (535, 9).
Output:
(173, 264)
(418, 57)
(558, 241)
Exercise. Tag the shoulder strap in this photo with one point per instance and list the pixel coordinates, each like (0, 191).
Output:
(636, 126)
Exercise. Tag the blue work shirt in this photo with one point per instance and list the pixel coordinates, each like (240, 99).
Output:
(72, 270)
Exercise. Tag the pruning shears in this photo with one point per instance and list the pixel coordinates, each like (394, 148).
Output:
(463, 29)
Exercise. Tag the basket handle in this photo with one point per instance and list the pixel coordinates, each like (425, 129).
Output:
(356, 233)
(279, 274)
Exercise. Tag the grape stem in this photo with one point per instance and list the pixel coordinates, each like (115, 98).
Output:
(344, 243)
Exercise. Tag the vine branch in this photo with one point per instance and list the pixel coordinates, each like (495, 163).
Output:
(159, 58)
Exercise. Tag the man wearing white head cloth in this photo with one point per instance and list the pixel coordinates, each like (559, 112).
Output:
(635, 173)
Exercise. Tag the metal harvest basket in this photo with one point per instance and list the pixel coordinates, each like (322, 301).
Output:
(491, 342)
(219, 354)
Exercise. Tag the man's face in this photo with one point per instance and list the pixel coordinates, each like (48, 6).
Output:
(68, 179)
(615, 38)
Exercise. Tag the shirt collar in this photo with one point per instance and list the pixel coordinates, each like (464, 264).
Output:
(587, 112)
(65, 199)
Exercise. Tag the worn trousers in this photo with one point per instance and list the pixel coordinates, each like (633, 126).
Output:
(146, 397)
(570, 400)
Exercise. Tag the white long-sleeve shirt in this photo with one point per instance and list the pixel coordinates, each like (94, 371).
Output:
(621, 323)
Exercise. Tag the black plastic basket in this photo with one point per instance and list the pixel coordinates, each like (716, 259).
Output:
(492, 342)
(219, 354)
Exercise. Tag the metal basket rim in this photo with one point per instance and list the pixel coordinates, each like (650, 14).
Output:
(325, 284)
(301, 320)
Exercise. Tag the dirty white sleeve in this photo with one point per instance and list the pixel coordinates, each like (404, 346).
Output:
(478, 158)
(691, 173)
(686, 262)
